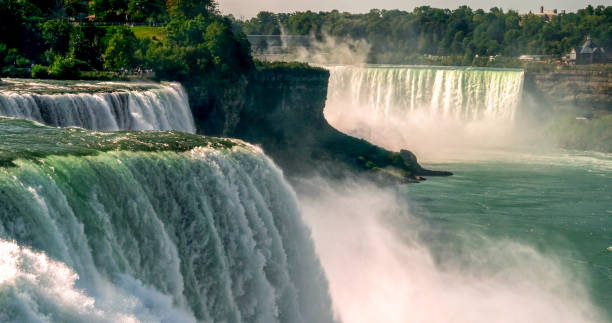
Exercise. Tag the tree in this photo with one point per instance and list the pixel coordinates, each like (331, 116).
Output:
(147, 10)
(74, 7)
(190, 9)
(56, 34)
(121, 48)
(86, 44)
(109, 10)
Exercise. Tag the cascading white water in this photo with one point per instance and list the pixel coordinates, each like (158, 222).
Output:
(411, 107)
(457, 93)
(105, 106)
(203, 235)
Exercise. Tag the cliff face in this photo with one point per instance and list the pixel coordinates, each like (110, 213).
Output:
(586, 90)
(282, 110)
(572, 108)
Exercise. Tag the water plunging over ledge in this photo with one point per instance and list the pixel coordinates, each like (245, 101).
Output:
(92, 105)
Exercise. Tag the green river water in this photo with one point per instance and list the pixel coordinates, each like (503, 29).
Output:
(558, 202)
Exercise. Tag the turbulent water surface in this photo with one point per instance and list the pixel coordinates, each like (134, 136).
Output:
(126, 227)
(176, 227)
(558, 202)
(424, 108)
(516, 235)
(98, 105)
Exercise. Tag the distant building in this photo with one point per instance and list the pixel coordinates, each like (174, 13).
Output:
(587, 54)
(548, 14)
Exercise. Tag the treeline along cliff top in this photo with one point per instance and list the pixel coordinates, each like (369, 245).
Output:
(60, 39)
(398, 37)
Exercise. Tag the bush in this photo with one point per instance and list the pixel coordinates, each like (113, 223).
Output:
(12, 71)
(40, 72)
(66, 68)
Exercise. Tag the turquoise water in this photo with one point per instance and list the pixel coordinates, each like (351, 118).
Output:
(149, 227)
(558, 202)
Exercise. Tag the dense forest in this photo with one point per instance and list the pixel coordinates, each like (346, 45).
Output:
(52, 39)
(190, 39)
(398, 36)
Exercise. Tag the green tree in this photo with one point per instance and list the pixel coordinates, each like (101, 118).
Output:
(56, 34)
(121, 48)
(87, 44)
(74, 7)
(147, 10)
(190, 9)
(109, 10)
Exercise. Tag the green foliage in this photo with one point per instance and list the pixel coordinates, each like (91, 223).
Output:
(87, 44)
(266, 23)
(19, 26)
(403, 37)
(12, 64)
(127, 10)
(147, 10)
(56, 34)
(190, 9)
(296, 68)
(204, 45)
(67, 68)
(99, 75)
(109, 10)
(197, 43)
(148, 32)
(40, 72)
(74, 7)
(121, 48)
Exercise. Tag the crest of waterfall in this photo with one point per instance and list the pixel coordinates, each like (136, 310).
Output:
(119, 107)
(399, 106)
(204, 235)
(456, 93)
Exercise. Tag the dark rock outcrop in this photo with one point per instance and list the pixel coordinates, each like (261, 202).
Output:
(282, 110)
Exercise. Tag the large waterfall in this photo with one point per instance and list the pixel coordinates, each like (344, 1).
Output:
(459, 93)
(403, 106)
(208, 234)
(98, 105)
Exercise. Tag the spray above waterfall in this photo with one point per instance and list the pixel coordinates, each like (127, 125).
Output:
(424, 108)
(105, 106)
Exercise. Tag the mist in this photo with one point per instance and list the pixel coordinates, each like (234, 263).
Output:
(379, 270)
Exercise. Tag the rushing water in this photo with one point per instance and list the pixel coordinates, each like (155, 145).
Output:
(150, 234)
(465, 94)
(559, 202)
(98, 105)
(425, 108)
(516, 235)
(176, 227)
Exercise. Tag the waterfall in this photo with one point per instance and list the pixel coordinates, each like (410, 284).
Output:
(402, 106)
(207, 234)
(104, 106)
(457, 93)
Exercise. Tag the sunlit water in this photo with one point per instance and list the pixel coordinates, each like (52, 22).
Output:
(558, 202)
(516, 235)
(511, 237)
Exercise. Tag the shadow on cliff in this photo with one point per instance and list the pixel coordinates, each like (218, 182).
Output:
(280, 107)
